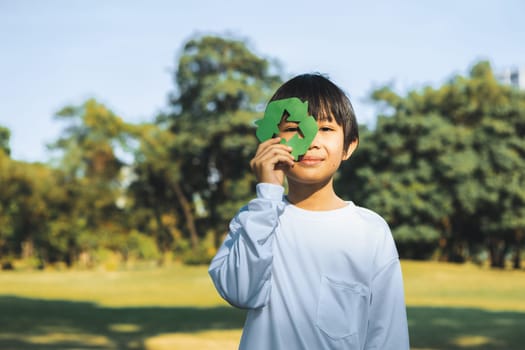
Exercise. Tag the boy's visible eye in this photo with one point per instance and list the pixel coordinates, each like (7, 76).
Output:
(289, 127)
(326, 128)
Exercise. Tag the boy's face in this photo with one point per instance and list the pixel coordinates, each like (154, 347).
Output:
(324, 156)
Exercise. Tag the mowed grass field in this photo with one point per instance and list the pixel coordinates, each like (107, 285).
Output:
(449, 307)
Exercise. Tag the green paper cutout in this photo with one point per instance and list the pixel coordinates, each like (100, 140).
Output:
(268, 127)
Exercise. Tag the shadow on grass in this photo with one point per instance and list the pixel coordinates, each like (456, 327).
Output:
(465, 328)
(35, 324)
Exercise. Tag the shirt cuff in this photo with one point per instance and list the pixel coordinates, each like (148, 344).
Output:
(270, 191)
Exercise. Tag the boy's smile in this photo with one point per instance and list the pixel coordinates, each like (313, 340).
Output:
(310, 160)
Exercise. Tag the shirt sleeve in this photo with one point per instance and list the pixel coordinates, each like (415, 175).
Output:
(387, 324)
(241, 269)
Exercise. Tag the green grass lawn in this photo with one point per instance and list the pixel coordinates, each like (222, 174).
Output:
(449, 307)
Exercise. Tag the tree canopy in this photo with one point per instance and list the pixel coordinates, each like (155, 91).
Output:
(5, 135)
(446, 168)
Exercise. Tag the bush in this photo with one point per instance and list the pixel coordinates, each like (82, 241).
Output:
(204, 252)
(142, 247)
(108, 259)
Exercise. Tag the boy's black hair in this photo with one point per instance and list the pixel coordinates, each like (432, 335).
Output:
(325, 101)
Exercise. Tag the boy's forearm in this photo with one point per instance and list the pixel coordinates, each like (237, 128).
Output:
(241, 270)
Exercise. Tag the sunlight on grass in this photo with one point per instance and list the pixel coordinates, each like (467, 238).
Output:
(474, 341)
(66, 338)
(124, 328)
(174, 285)
(426, 284)
(467, 285)
(210, 340)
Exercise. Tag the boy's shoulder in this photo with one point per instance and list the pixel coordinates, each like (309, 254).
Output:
(380, 230)
(369, 215)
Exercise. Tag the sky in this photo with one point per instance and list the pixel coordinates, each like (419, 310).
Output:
(124, 53)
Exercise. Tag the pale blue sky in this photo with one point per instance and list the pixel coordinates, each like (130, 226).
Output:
(123, 52)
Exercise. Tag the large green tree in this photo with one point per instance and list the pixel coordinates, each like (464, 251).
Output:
(155, 190)
(93, 178)
(221, 88)
(5, 135)
(446, 167)
(31, 200)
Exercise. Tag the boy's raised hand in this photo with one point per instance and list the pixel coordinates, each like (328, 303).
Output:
(270, 160)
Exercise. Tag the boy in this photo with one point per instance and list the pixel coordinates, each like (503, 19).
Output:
(313, 270)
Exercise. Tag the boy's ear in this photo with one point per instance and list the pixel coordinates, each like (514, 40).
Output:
(351, 148)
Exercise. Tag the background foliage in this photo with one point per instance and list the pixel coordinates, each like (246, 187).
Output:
(446, 168)
(444, 165)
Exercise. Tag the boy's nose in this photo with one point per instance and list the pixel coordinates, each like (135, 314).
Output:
(315, 142)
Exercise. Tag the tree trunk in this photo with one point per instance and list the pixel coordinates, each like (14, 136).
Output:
(28, 248)
(162, 239)
(516, 261)
(498, 249)
(188, 214)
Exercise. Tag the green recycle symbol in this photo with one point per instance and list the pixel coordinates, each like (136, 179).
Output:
(298, 111)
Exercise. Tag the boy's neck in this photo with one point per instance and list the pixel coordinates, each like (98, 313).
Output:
(316, 197)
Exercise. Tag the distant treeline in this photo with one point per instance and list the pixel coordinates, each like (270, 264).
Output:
(445, 167)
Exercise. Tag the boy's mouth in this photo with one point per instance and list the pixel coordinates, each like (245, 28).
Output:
(310, 160)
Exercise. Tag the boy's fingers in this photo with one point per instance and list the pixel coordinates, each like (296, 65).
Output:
(272, 156)
(270, 142)
(265, 148)
(268, 159)
(283, 165)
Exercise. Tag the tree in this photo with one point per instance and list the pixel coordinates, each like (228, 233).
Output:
(155, 189)
(221, 88)
(447, 168)
(92, 177)
(30, 200)
(5, 135)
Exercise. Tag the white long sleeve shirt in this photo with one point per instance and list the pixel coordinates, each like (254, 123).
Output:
(312, 279)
